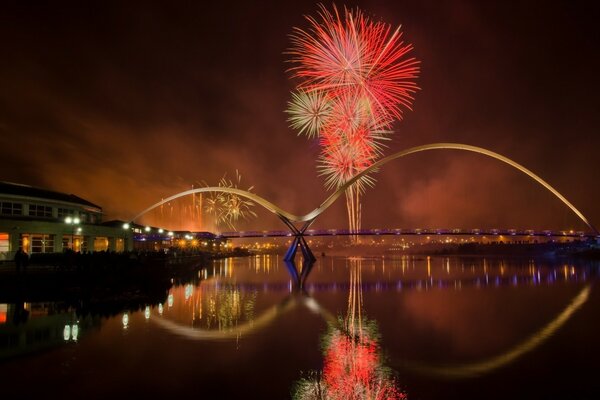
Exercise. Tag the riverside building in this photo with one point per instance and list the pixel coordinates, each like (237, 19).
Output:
(44, 221)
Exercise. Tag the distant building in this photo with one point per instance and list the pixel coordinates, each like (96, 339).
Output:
(45, 221)
(149, 238)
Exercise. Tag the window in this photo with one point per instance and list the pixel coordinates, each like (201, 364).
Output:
(11, 208)
(42, 243)
(4, 246)
(40, 211)
(101, 244)
(25, 243)
(65, 212)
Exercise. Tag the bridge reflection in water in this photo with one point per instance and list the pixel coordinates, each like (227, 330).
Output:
(352, 341)
(353, 366)
(445, 325)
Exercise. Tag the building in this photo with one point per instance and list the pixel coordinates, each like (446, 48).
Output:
(44, 221)
(148, 238)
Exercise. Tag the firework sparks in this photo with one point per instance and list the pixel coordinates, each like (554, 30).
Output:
(355, 80)
(353, 52)
(229, 208)
(308, 112)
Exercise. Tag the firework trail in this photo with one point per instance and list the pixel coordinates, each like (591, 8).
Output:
(355, 80)
(228, 208)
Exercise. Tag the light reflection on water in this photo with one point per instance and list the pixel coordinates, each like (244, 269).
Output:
(417, 321)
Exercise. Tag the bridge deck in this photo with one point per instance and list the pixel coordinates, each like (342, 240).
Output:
(410, 232)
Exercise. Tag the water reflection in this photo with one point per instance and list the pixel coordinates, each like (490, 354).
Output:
(43, 312)
(299, 277)
(510, 355)
(221, 309)
(32, 327)
(353, 367)
(385, 325)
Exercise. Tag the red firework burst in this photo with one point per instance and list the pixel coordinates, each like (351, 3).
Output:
(338, 54)
(356, 79)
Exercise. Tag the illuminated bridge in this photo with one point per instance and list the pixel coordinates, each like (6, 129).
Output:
(409, 232)
(299, 232)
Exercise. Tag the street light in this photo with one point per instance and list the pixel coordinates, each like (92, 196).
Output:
(73, 221)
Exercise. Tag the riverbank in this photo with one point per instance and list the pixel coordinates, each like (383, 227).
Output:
(102, 282)
(108, 262)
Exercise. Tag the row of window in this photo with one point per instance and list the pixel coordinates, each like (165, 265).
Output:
(7, 208)
(40, 211)
(42, 243)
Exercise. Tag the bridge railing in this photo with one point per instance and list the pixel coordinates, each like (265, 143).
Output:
(414, 231)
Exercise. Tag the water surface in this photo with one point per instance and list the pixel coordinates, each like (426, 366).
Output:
(420, 327)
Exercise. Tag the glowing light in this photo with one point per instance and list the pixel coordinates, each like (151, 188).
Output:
(147, 229)
(74, 332)
(170, 233)
(189, 290)
(147, 312)
(161, 230)
(126, 226)
(170, 300)
(67, 333)
(125, 320)
(76, 220)
(160, 309)
(68, 220)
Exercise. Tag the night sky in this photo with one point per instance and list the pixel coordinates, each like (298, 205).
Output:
(126, 103)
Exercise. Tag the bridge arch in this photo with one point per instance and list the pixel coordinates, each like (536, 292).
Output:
(481, 367)
(250, 327)
(448, 146)
(288, 218)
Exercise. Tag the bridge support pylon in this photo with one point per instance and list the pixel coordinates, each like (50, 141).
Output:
(298, 241)
(299, 277)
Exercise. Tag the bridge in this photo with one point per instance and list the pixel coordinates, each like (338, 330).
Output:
(411, 232)
(298, 232)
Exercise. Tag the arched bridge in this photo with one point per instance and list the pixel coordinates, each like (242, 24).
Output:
(300, 232)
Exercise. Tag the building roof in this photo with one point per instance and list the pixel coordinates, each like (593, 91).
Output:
(17, 189)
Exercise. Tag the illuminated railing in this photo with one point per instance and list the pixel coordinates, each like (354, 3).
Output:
(409, 232)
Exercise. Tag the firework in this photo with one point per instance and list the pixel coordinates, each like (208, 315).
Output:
(229, 208)
(308, 112)
(353, 52)
(355, 80)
